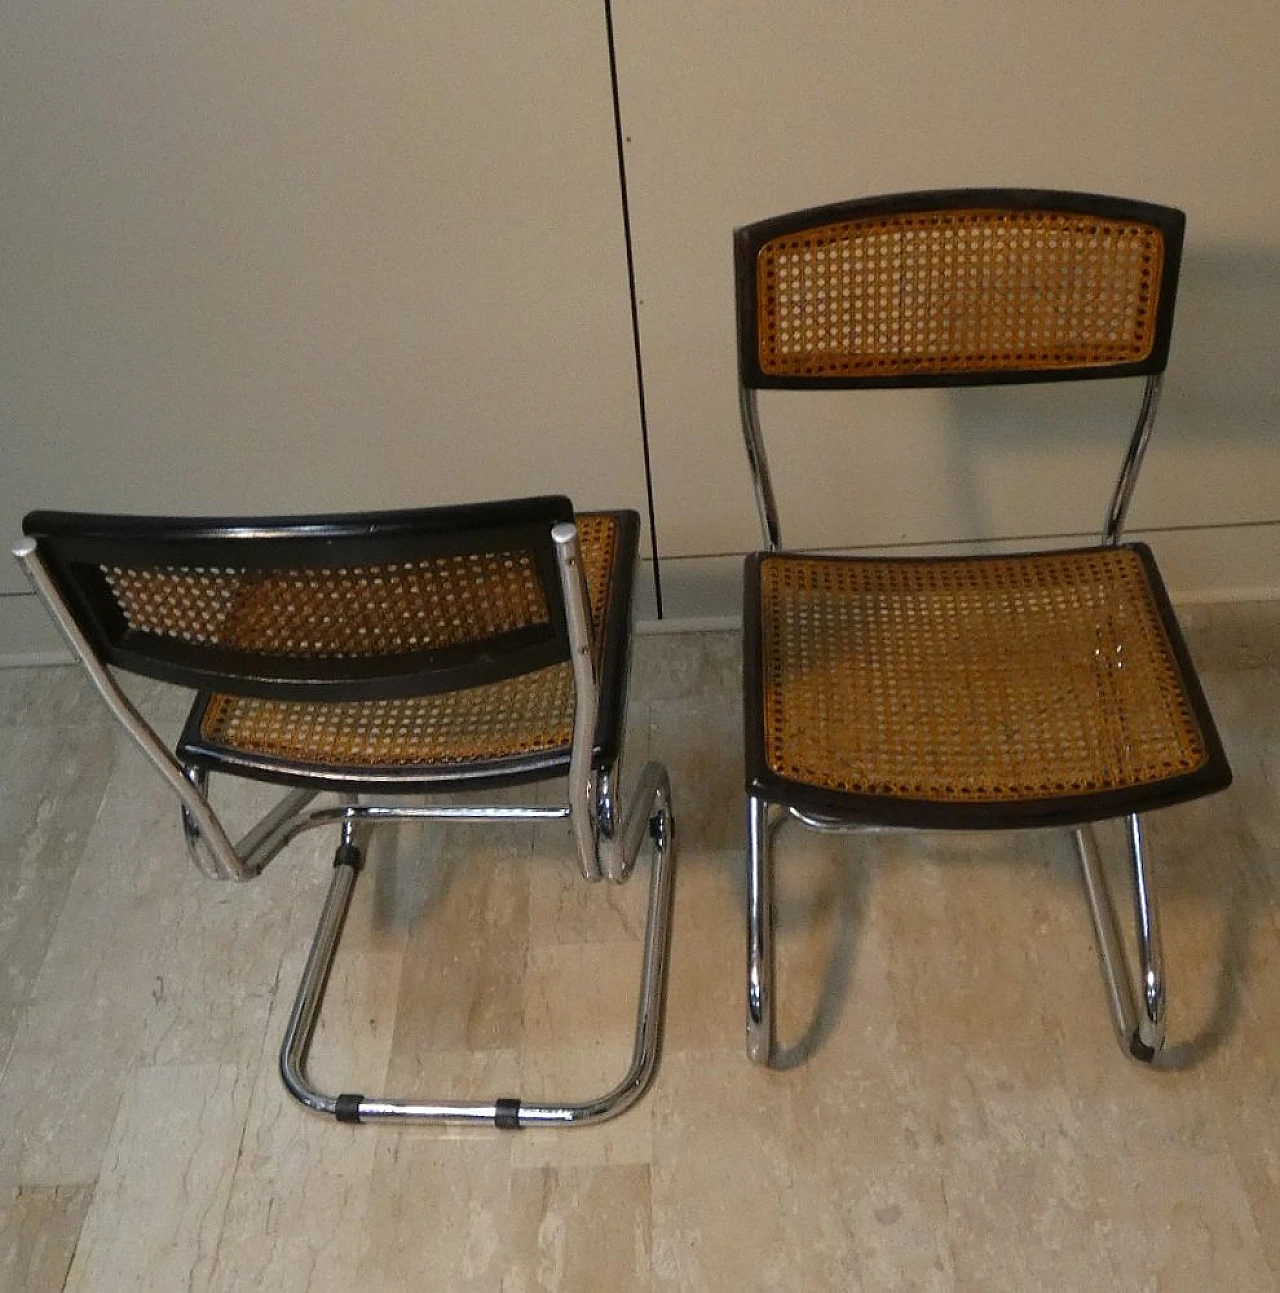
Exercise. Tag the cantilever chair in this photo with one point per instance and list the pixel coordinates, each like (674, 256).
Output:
(1042, 689)
(371, 657)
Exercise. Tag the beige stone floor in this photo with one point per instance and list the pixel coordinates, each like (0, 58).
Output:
(954, 1112)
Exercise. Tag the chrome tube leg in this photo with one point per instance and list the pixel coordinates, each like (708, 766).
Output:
(651, 803)
(198, 816)
(202, 857)
(355, 828)
(766, 503)
(315, 977)
(618, 842)
(760, 969)
(258, 846)
(275, 829)
(586, 698)
(1141, 1034)
(1128, 477)
(1150, 961)
(651, 807)
(1111, 959)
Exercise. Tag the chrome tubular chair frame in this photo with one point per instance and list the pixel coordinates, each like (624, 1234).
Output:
(649, 810)
(1137, 1001)
(607, 840)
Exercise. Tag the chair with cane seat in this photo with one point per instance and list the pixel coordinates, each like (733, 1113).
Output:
(978, 692)
(369, 657)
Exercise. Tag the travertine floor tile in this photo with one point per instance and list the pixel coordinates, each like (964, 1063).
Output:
(149, 963)
(1022, 1217)
(687, 666)
(735, 1206)
(464, 960)
(53, 779)
(579, 1231)
(1177, 1221)
(701, 743)
(1233, 635)
(830, 983)
(565, 908)
(439, 1206)
(579, 1024)
(158, 1210)
(39, 1227)
(298, 1233)
(581, 996)
(706, 975)
(80, 1035)
(1249, 1130)
(57, 696)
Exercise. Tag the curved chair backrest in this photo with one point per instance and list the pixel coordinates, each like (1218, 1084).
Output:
(351, 607)
(957, 287)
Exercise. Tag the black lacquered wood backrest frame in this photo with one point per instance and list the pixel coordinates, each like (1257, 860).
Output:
(88, 555)
(910, 211)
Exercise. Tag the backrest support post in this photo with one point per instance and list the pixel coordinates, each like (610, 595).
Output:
(586, 701)
(766, 503)
(1128, 478)
(226, 863)
(952, 288)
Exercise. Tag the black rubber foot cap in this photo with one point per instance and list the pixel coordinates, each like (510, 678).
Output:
(348, 855)
(346, 1108)
(1140, 1050)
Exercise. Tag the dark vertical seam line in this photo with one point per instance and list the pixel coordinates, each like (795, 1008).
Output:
(635, 309)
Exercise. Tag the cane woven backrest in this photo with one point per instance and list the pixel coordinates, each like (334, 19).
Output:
(327, 613)
(962, 286)
(373, 606)
(527, 715)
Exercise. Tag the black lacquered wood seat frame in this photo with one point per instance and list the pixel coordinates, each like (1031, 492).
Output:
(458, 649)
(982, 692)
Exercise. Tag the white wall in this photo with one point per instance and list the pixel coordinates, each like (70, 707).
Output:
(266, 256)
(270, 256)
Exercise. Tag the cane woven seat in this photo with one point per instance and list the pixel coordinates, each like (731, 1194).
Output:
(484, 725)
(970, 691)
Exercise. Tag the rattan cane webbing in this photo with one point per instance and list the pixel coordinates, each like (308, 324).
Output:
(334, 613)
(994, 680)
(529, 714)
(957, 291)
